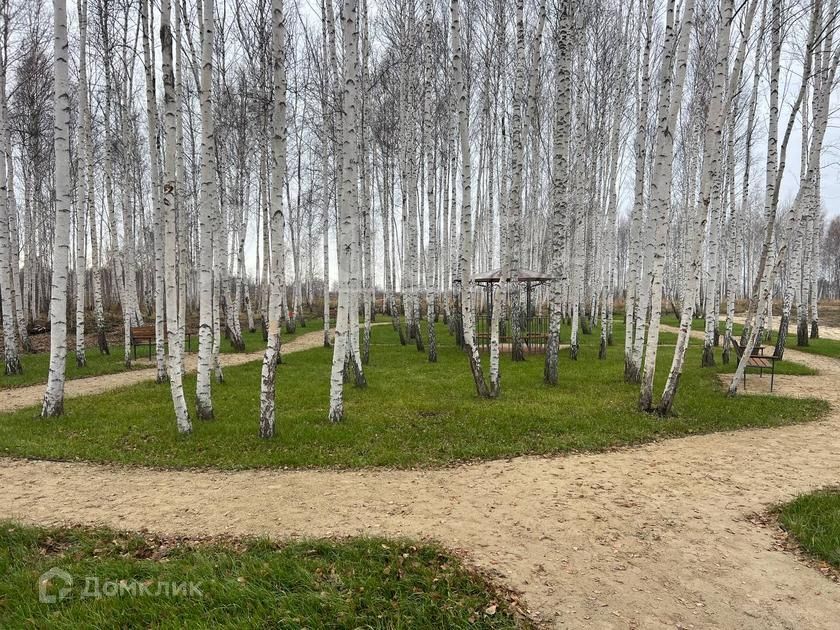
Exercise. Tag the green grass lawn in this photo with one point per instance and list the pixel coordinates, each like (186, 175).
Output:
(36, 366)
(412, 414)
(357, 583)
(814, 522)
(824, 347)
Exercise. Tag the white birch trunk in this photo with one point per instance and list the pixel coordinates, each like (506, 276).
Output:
(278, 174)
(154, 168)
(761, 298)
(462, 102)
(636, 303)
(110, 203)
(325, 241)
(54, 393)
(98, 302)
(85, 188)
(12, 310)
(217, 286)
(176, 385)
(14, 245)
(775, 165)
(669, 106)
(203, 395)
(559, 197)
(816, 235)
(430, 190)
(180, 207)
(710, 195)
(81, 263)
(524, 109)
(7, 272)
(347, 209)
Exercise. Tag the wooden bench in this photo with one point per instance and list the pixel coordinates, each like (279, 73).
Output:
(757, 361)
(145, 335)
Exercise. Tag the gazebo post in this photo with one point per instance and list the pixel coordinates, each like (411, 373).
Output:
(528, 299)
(528, 314)
(490, 307)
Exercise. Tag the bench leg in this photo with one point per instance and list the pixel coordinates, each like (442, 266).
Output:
(134, 349)
(772, 376)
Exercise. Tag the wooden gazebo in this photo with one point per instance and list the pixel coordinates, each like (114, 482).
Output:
(534, 326)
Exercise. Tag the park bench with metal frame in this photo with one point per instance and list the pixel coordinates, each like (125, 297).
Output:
(758, 361)
(145, 335)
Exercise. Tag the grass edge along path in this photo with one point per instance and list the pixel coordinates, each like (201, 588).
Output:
(349, 583)
(812, 522)
(36, 365)
(412, 414)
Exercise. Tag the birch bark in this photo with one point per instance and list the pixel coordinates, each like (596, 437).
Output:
(7, 272)
(670, 101)
(81, 264)
(761, 298)
(710, 195)
(728, 113)
(636, 304)
(347, 207)
(466, 252)
(168, 204)
(524, 99)
(278, 175)
(775, 165)
(430, 186)
(559, 199)
(20, 302)
(54, 394)
(154, 167)
(326, 145)
(206, 207)
(86, 175)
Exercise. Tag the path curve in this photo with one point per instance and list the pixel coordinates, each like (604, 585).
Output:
(15, 398)
(655, 536)
(826, 332)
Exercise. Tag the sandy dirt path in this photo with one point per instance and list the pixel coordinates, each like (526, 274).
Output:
(826, 332)
(651, 537)
(20, 397)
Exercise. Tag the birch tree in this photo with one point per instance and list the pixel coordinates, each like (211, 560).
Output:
(8, 265)
(675, 53)
(7, 273)
(345, 316)
(462, 102)
(636, 303)
(278, 174)
(768, 267)
(430, 185)
(54, 395)
(168, 205)
(155, 172)
(559, 198)
(710, 195)
(207, 208)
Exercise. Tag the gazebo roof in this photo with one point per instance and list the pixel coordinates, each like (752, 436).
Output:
(524, 275)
